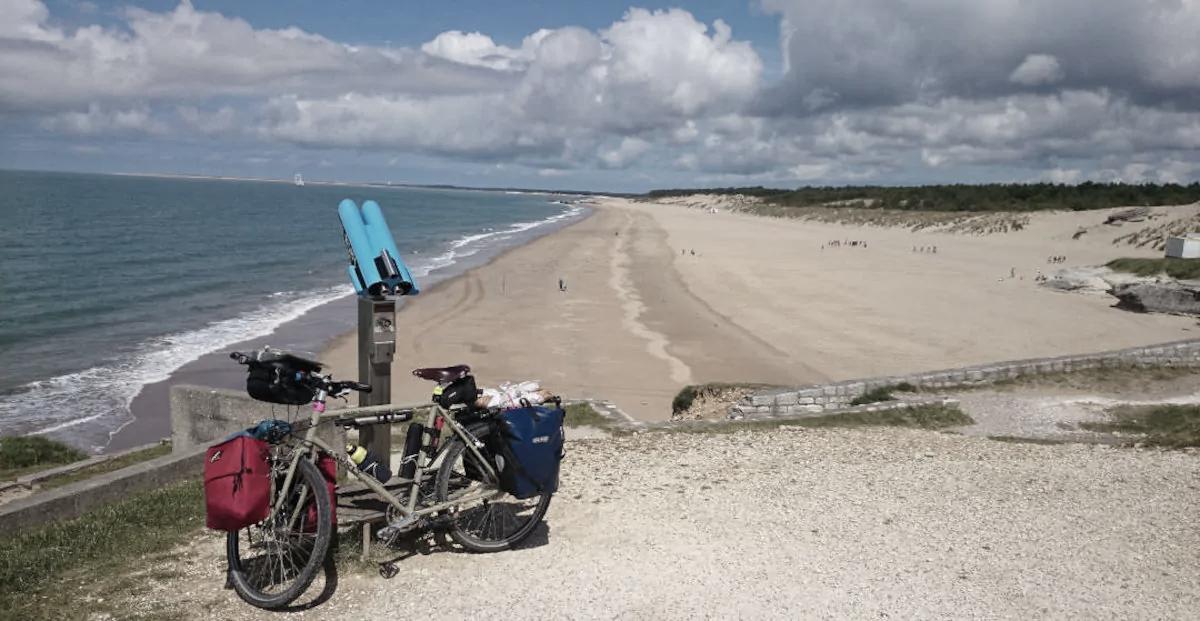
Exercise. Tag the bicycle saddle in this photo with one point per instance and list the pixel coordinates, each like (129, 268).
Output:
(443, 375)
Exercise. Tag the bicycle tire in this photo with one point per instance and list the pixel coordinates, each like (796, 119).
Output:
(461, 529)
(245, 574)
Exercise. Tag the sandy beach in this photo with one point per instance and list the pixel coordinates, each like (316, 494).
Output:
(761, 300)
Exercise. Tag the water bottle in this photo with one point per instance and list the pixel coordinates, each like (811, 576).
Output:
(368, 462)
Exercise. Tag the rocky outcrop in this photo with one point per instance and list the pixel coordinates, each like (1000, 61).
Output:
(1097, 280)
(1158, 297)
(1081, 280)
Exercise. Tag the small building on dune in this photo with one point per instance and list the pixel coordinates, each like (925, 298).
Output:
(1185, 247)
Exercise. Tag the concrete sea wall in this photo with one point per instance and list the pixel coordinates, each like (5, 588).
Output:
(819, 399)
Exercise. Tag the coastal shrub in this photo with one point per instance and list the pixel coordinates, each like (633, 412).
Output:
(875, 395)
(18, 452)
(904, 387)
(963, 197)
(688, 394)
(1182, 269)
(1172, 426)
(684, 398)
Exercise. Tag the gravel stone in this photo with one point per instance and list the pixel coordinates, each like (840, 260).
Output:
(790, 523)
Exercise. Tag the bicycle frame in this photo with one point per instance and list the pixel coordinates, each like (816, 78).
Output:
(311, 446)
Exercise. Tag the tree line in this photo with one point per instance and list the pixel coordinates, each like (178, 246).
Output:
(981, 197)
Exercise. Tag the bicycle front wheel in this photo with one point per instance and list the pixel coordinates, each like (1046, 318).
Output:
(493, 523)
(273, 562)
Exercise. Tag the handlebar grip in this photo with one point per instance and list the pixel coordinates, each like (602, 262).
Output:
(360, 387)
(240, 357)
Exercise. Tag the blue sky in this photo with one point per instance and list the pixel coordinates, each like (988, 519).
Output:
(607, 95)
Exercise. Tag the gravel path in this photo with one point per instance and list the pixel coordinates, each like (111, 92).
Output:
(795, 523)
(1047, 415)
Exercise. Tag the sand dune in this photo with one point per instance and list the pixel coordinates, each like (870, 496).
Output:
(761, 301)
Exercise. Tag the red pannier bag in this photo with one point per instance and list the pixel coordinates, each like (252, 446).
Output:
(328, 467)
(237, 483)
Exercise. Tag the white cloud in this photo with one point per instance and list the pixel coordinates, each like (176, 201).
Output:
(1064, 175)
(626, 152)
(872, 52)
(1037, 69)
(188, 54)
(872, 90)
(574, 93)
(472, 48)
(97, 120)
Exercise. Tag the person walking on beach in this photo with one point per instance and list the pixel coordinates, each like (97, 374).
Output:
(562, 286)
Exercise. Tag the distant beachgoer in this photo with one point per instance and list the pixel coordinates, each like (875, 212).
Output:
(562, 286)
(1012, 273)
(693, 252)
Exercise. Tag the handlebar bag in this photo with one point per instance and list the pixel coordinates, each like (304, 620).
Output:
(237, 483)
(275, 377)
(531, 447)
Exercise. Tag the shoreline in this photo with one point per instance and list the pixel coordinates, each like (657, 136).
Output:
(659, 296)
(149, 408)
(627, 329)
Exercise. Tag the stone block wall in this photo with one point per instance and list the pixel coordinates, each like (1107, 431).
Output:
(200, 416)
(820, 398)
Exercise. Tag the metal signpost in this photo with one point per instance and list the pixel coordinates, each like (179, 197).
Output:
(376, 348)
(379, 276)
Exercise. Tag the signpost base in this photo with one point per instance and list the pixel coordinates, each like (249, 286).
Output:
(376, 348)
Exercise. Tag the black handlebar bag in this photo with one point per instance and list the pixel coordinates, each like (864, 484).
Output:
(276, 377)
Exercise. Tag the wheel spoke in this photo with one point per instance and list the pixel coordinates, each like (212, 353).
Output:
(275, 560)
(494, 518)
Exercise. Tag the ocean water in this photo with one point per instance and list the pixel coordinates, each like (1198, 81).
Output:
(109, 283)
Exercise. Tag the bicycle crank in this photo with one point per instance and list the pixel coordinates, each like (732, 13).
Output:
(388, 534)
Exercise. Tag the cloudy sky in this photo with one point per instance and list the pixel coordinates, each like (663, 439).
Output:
(607, 95)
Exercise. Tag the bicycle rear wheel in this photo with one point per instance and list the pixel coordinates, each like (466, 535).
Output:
(497, 522)
(273, 562)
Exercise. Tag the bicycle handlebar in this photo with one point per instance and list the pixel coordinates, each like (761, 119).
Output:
(312, 379)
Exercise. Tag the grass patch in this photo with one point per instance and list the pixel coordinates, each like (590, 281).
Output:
(1182, 269)
(1020, 440)
(875, 395)
(920, 417)
(882, 393)
(128, 459)
(1171, 426)
(34, 562)
(583, 414)
(1112, 379)
(20, 455)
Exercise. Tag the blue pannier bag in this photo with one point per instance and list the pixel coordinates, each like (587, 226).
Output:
(531, 448)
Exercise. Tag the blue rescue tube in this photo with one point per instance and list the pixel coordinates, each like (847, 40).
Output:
(362, 268)
(381, 239)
